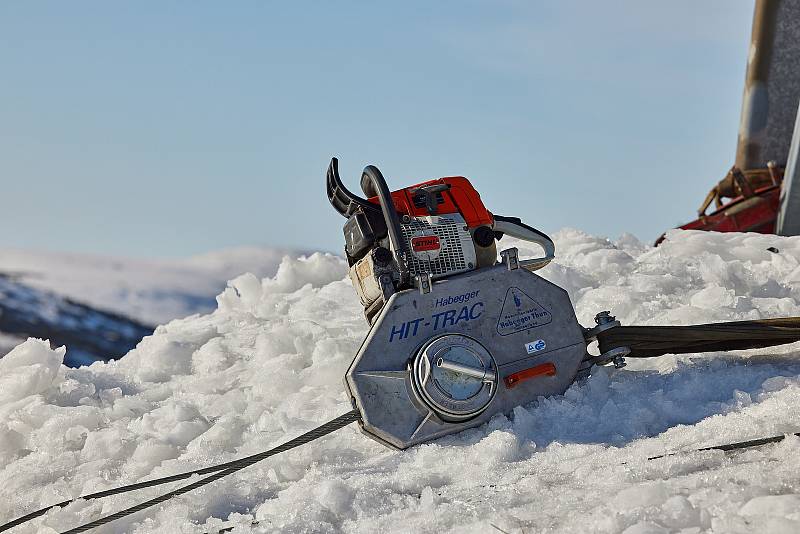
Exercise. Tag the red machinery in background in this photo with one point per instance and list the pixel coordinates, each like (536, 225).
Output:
(753, 205)
(753, 196)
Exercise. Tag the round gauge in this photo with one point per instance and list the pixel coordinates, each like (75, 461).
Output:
(455, 376)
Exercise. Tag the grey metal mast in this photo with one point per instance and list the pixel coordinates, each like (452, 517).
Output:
(772, 85)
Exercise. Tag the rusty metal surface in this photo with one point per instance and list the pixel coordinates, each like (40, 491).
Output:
(750, 196)
(741, 183)
(756, 213)
(772, 85)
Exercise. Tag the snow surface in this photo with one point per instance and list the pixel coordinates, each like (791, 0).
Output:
(151, 291)
(8, 342)
(268, 365)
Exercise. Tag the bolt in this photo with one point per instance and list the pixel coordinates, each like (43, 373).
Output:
(604, 317)
(619, 362)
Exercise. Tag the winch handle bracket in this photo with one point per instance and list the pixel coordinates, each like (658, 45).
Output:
(348, 203)
(374, 177)
(342, 199)
(429, 194)
(514, 227)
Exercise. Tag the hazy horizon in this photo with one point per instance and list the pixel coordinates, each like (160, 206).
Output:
(168, 130)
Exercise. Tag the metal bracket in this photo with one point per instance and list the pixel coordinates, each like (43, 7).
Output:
(511, 258)
(424, 283)
(386, 285)
(429, 195)
(604, 321)
(615, 356)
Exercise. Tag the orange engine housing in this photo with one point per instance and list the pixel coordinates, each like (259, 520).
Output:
(460, 198)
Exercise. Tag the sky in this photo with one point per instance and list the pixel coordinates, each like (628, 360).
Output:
(165, 129)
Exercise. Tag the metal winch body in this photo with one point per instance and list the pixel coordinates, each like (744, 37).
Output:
(476, 345)
(456, 336)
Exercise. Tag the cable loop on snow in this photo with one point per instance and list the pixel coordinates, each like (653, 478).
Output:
(219, 471)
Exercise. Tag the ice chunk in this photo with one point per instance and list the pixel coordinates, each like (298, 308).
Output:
(678, 512)
(641, 495)
(713, 297)
(30, 368)
(773, 505)
(646, 527)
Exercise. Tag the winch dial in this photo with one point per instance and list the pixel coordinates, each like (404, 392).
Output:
(455, 376)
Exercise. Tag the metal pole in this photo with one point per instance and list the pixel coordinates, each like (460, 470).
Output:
(772, 85)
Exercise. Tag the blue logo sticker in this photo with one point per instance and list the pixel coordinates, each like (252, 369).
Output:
(535, 346)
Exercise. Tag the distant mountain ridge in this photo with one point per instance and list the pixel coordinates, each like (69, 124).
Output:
(90, 334)
(152, 291)
(101, 306)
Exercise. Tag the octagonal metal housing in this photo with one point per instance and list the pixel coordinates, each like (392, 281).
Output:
(523, 321)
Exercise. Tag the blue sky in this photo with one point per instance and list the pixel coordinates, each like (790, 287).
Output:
(172, 128)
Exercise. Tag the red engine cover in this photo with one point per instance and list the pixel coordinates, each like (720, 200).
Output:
(460, 198)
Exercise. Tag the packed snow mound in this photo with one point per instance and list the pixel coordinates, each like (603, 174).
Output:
(267, 365)
(151, 291)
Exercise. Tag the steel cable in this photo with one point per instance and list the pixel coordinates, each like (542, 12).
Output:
(220, 471)
(732, 446)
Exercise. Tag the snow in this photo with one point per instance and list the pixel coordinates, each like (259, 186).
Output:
(152, 291)
(29, 369)
(267, 365)
(8, 342)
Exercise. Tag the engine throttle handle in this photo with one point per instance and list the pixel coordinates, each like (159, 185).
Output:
(514, 227)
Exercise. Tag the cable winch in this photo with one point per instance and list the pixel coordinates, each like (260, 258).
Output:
(456, 334)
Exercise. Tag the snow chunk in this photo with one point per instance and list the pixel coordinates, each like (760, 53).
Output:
(645, 527)
(774, 505)
(29, 369)
(713, 297)
(652, 494)
(247, 293)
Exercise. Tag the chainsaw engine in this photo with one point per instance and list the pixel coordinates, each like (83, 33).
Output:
(409, 237)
